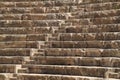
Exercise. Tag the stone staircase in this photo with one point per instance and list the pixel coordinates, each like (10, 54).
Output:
(59, 40)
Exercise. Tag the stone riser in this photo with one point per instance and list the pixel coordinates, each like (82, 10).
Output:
(32, 37)
(53, 77)
(60, 16)
(96, 14)
(84, 44)
(70, 70)
(58, 9)
(24, 30)
(15, 52)
(11, 60)
(30, 23)
(80, 61)
(82, 52)
(63, 37)
(7, 68)
(92, 29)
(92, 21)
(88, 36)
(60, 39)
(78, 29)
(19, 44)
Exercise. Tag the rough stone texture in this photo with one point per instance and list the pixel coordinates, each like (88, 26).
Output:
(59, 40)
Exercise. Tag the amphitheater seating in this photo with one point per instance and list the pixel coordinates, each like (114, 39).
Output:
(59, 40)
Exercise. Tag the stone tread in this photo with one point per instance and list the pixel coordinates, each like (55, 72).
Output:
(81, 61)
(70, 70)
(59, 40)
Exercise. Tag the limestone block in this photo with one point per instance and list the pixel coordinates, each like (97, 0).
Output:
(14, 52)
(32, 44)
(12, 38)
(65, 37)
(14, 60)
(54, 61)
(7, 4)
(13, 23)
(83, 71)
(93, 52)
(112, 44)
(10, 17)
(88, 62)
(39, 30)
(2, 77)
(78, 37)
(35, 37)
(7, 69)
(80, 44)
(110, 53)
(73, 30)
(13, 44)
(94, 44)
(110, 62)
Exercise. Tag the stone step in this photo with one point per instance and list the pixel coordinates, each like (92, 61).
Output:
(30, 23)
(92, 28)
(25, 30)
(8, 68)
(19, 44)
(87, 21)
(29, 16)
(22, 10)
(88, 36)
(99, 1)
(23, 0)
(36, 37)
(58, 7)
(28, 37)
(70, 29)
(15, 52)
(2, 77)
(96, 14)
(22, 70)
(93, 21)
(84, 44)
(79, 61)
(13, 78)
(8, 37)
(54, 77)
(49, 3)
(11, 60)
(85, 52)
(101, 6)
(84, 1)
(114, 75)
(70, 70)
(37, 3)
(5, 76)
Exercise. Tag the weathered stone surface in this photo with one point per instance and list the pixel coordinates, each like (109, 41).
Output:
(10, 60)
(35, 37)
(7, 68)
(59, 39)
(84, 71)
(13, 44)
(2, 77)
(12, 38)
(14, 52)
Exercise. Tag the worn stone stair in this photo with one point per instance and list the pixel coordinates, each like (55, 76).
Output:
(59, 39)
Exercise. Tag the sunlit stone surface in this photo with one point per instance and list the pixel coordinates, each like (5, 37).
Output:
(59, 40)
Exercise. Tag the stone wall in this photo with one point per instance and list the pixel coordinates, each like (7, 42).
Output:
(59, 40)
